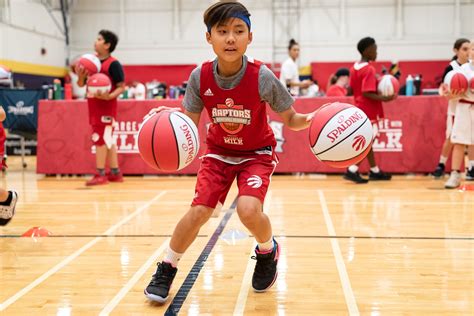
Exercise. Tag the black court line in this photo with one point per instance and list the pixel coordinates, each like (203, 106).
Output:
(180, 297)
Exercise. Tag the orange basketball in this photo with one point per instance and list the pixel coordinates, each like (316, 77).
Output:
(340, 134)
(168, 140)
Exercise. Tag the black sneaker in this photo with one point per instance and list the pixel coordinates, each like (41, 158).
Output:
(377, 176)
(439, 171)
(470, 174)
(160, 283)
(265, 272)
(7, 210)
(354, 177)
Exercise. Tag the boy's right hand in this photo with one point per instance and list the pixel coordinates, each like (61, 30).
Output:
(81, 73)
(159, 109)
(389, 98)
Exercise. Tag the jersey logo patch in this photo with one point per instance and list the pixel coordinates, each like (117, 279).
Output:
(254, 181)
(230, 116)
(208, 93)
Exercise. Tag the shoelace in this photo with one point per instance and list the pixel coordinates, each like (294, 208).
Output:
(160, 278)
(261, 267)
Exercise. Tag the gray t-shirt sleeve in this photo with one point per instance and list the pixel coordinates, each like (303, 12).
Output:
(273, 91)
(192, 101)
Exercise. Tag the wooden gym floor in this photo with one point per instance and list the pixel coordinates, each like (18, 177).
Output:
(400, 247)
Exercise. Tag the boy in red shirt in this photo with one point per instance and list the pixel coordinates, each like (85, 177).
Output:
(363, 82)
(234, 90)
(8, 199)
(341, 81)
(103, 109)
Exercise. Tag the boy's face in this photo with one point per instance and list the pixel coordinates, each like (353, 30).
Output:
(471, 51)
(230, 41)
(100, 46)
(371, 52)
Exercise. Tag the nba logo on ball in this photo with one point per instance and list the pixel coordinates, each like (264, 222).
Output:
(340, 134)
(168, 141)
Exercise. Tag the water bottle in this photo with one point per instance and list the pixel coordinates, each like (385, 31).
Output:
(417, 84)
(409, 86)
(57, 95)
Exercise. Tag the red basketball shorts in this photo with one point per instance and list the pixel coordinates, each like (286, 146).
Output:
(102, 135)
(215, 178)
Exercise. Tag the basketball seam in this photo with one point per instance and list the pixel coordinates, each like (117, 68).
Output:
(326, 160)
(153, 140)
(344, 137)
(321, 130)
(192, 131)
(175, 140)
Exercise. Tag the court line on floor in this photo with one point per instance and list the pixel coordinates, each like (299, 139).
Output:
(180, 297)
(100, 202)
(247, 279)
(110, 306)
(341, 267)
(250, 236)
(74, 255)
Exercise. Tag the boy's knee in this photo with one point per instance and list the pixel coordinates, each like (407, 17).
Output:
(248, 212)
(201, 213)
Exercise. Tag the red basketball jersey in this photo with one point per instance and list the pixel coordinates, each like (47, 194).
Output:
(103, 108)
(362, 79)
(239, 124)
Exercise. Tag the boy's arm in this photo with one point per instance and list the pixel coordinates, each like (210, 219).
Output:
(193, 116)
(294, 120)
(81, 76)
(375, 96)
(3, 115)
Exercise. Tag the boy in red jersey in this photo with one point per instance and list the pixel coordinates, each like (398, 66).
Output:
(103, 109)
(364, 86)
(8, 199)
(234, 89)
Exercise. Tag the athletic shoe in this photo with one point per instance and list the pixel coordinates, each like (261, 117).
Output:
(265, 272)
(454, 180)
(439, 171)
(470, 174)
(115, 177)
(160, 284)
(8, 211)
(379, 176)
(354, 177)
(97, 180)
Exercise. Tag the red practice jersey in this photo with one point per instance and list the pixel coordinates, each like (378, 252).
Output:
(363, 79)
(239, 124)
(101, 110)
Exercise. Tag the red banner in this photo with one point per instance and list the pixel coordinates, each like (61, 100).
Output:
(409, 139)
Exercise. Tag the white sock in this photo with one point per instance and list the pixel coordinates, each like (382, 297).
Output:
(172, 257)
(471, 164)
(375, 169)
(443, 159)
(266, 246)
(353, 168)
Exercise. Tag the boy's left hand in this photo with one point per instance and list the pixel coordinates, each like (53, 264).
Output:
(310, 116)
(102, 95)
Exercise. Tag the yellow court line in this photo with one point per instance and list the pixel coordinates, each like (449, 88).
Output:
(34, 69)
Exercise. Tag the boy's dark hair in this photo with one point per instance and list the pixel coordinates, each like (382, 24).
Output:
(220, 12)
(110, 38)
(292, 43)
(364, 44)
